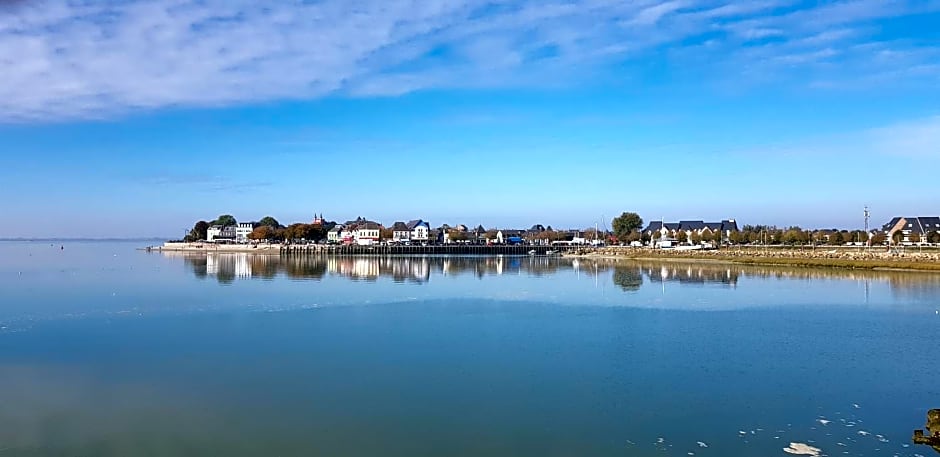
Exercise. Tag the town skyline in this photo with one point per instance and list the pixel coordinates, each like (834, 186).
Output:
(134, 119)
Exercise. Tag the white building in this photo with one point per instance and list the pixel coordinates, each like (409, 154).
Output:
(220, 233)
(400, 232)
(419, 230)
(242, 230)
(335, 234)
(367, 233)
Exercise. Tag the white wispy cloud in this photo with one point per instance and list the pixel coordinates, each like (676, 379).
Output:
(78, 59)
(919, 138)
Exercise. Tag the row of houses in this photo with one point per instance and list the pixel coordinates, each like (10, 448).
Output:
(366, 232)
(668, 230)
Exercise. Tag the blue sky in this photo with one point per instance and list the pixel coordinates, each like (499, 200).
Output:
(129, 118)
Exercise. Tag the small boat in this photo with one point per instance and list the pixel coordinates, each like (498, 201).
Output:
(549, 252)
(532, 252)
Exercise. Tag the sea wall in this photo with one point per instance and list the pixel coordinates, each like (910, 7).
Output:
(910, 258)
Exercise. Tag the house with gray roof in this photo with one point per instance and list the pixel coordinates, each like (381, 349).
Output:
(400, 232)
(669, 230)
(333, 235)
(920, 226)
(420, 230)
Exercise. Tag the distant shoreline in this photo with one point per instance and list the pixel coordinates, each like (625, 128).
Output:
(76, 240)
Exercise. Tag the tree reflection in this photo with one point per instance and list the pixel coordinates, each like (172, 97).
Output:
(629, 278)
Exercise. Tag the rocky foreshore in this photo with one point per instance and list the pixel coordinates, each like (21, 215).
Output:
(213, 247)
(820, 256)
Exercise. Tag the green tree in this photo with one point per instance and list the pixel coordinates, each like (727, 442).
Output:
(198, 232)
(914, 237)
(753, 236)
(681, 236)
(847, 236)
(630, 279)
(634, 236)
(835, 238)
(878, 239)
(897, 237)
(457, 235)
(715, 237)
(225, 220)
(819, 237)
(269, 221)
(201, 230)
(855, 236)
(792, 236)
(696, 238)
(933, 237)
(626, 223)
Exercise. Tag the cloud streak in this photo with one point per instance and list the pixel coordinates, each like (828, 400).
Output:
(76, 60)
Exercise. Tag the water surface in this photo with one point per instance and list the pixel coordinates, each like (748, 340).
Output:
(105, 350)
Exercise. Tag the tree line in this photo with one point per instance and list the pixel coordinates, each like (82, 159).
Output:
(626, 229)
(267, 229)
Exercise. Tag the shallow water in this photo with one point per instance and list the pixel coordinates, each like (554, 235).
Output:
(105, 350)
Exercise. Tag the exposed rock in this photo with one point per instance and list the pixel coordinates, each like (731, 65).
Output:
(932, 436)
(802, 449)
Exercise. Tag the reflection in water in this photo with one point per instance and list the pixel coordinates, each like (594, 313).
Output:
(226, 267)
(630, 276)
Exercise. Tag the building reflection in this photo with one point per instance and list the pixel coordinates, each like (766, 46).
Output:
(630, 276)
(227, 267)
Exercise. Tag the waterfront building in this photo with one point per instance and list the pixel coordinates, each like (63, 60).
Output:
(921, 226)
(217, 233)
(420, 230)
(400, 232)
(669, 230)
(367, 233)
(333, 236)
(243, 230)
(348, 234)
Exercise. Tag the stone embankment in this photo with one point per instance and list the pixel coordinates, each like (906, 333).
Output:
(839, 257)
(212, 247)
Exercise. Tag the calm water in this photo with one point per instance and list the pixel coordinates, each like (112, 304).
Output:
(105, 350)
